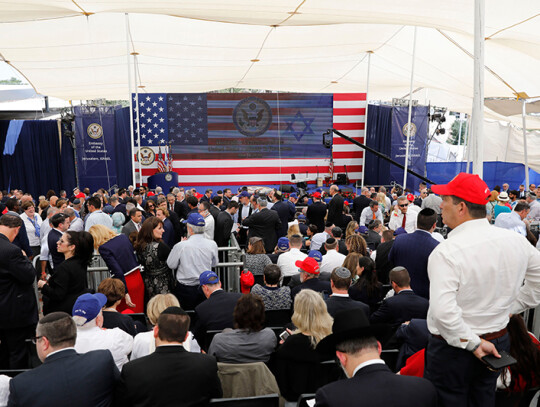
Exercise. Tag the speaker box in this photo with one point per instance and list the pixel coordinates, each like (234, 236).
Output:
(341, 179)
(287, 188)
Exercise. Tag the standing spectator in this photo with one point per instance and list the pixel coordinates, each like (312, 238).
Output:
(224, 225)
(60, 224)
(285, 211)
(134, 223)
(432, 201)
(373, 238)
(370, 213)
(401, 217)
(265, 224)
(152, 254)
(32, 223)
(168, 229)
(502, 205)
(273, 296)
(335, 207)
(18, 306)
(256, 259)
(69, 280)
(360, 203)
(383, 264)
(76, 224)
(209, 223)
(150, 208)
(514, 220)
(316, 212)
(96, 215)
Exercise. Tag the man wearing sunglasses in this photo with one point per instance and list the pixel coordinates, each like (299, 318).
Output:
(403, 218)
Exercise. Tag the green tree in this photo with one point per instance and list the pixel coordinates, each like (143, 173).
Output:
(12, 81)
(454, 132)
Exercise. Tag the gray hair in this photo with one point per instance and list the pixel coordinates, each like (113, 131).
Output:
(159, 190)
(197, 230)
(175, 191)
(69, 212)
(52, 210)
(129, 207)
(262, 202)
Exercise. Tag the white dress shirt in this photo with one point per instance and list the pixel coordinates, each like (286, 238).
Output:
(318, 240)
(511, 221)
(144, 344)
(209, 226)
(534, 214)
(476, 280)
(367, 216)
(117, 341)
(77, 225)
(286, 262)
(97, 218)
(331, 260)
(396, 220)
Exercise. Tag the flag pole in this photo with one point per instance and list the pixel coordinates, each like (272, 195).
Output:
(366, 118)
(138, 117)
(478, 95)
(130, 98)
(409, 124)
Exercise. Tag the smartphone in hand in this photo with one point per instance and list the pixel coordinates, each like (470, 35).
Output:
(499, 363)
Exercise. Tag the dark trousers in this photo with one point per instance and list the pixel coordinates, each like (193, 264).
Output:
(460, 378)
(189, 295)
(13, 351)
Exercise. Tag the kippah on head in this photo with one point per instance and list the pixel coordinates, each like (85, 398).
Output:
(330, 240)
(174, 311)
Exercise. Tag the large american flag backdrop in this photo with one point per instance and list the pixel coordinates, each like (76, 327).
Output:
(249, 139)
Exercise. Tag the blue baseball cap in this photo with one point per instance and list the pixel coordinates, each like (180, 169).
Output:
(243, 194)
(195, 219)
(316, 255)
(208, 277)
(283, 243)
(89, 306)
(301, 217)
(362, 229)
(293, 195)
(399, 231)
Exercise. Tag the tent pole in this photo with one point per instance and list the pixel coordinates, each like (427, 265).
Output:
(524, 119)
(409, 124)
(469, 144)
(131, 133)
(478, 98)
(365, 117)
(138, 117)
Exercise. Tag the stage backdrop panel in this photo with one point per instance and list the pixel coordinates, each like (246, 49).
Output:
(241, 138)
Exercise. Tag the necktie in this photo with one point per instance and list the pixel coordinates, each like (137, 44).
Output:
(404, 220)
(374, 215)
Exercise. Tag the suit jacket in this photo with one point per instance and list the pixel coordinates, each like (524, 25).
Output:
(214, 211)
(315, 284)
(265, 224)
(286, 213)
(373, 239)
(171, 376)
(177, 226)
(316, 213)
(216, 312)
(67, 378)
(119, 256)
(338, 304)
(379, 387)
(18, 306)
(21, 240)
(412, 252)
(383, 264)
(176, 208)
(335, 210)
(129, 228)
(223, 227)
(402, 307)
(53, 237)
(358, 205)
(414, 337)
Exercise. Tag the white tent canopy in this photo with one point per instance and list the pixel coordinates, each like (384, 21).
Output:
(77, 49)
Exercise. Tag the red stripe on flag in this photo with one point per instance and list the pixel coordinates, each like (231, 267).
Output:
(348, 154)
(349, 96)
(342, 141)
(349, 126)
(352, 111)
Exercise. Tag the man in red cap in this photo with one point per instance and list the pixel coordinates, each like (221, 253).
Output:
(309, 278)
(316, 212)
(476, 282)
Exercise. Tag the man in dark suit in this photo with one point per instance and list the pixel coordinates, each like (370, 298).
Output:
(412, 251)
(373, 238)
(215, 207)
(227, 196)
(340, 281)
(65, 378)
(265, 224)
(216, 312)
(404, 305)
(134, 224)
(360, 202)
(224, 224)
(316, 212)
(171, 376)
(383, 265)
(18, 307)
(174, 206)
(285, 211)
(354, 342)
(245, 209)
(335, 207)
(413, 336)
(60, 224)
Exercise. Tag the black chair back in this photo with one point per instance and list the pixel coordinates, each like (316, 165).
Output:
(303, 399)
(390, 357)
(278, 317)
(33, 358)
(268, 400)
(209, 336)
(13, 372)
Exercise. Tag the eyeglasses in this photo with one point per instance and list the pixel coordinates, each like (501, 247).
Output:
(36, 338)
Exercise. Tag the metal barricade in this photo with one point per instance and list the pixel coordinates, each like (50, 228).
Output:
(229, 268)
(97, 272)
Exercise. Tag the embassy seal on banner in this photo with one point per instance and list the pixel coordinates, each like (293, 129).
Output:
(417, 143)
(95, 146)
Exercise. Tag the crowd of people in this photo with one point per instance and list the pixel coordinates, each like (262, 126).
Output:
(434, 275)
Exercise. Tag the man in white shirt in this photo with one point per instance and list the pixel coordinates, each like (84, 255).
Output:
(478, 277)
(209, 222)
(332, 258)
(75, 223)
(287, 261)
(372, 212)
(515, 219)
(90, 333)
(96, 216)
(401, 217)
(534, 214)
(319, 238)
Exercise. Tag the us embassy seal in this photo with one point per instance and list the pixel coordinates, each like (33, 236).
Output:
(146, 155)
(95, 131)
(406, 127)
(252, 116)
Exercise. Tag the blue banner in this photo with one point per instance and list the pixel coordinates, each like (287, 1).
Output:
(95, 144)
(417, 143)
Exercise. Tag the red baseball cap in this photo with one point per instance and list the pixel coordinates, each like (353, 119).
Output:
(151, 193)
(309, 265)
(80, 195)
(316, 195)
(410, 197)
(469, 187)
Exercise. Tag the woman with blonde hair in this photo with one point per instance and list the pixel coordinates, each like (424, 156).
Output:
(381, 199)
(297, 362)
(356, 244)
(144, 343)
(293, 230)
(351, 228)
(119, 256)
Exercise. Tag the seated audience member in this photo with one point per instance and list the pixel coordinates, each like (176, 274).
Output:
(413, 336)
(383, 264)
(309, 278)
(367, 288)
(88, 317)
(287, 261)
(315, 254)
(337, 233)
(351, 263)
(281, 247)
(514, 220)
(317, 241)
(256, 258)
(249, 341)
(332, 258)
(404, 305)
(356, 244)
(339, 301)
(354, 342)
(170, 376)
(114, 290)
(297, 367)
(373, 239)
(216, 312)
(273, 296)
(69, 280)
(144, 343)
(66, 378)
